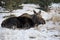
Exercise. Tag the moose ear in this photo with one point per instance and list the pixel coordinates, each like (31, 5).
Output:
(34, 11)
(39, 12)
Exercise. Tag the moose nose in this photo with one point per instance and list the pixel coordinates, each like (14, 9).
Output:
(43, 22)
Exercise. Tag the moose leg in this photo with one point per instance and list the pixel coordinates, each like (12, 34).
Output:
(27, 26)
(14, 27)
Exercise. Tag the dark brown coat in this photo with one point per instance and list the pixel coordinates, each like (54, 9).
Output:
(18, 22)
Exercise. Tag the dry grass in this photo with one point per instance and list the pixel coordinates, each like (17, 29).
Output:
(56, 18)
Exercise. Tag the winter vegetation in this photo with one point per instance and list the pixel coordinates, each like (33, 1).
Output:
(26, 9)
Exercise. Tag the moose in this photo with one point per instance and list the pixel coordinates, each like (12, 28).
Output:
(18, 22)
(25, 21)
(36, 17)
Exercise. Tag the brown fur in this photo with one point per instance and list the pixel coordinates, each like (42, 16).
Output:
(18, 22)
(36, 17)
(24, 21)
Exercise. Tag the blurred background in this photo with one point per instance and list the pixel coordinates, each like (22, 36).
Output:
(16, 4)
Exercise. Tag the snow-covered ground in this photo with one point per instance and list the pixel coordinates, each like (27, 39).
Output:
(48, 31)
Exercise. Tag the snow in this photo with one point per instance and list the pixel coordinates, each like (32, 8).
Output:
(55, 7)
(1, 9)
(46, 15)
(27, 8)
(31, 5)
(48, 31)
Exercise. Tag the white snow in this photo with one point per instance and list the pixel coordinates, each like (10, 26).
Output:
(3, 9)
(48, 31)
(46, 15)
(27, 8)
